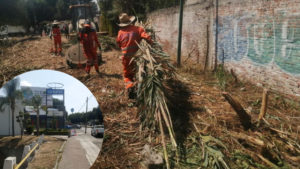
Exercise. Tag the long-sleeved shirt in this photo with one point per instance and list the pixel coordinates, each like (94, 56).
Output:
(56, 32)
(127, 38)
(89, 39)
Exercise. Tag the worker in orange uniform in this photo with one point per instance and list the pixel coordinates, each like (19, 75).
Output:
(127, 38)
(57, 38)
(89, 40)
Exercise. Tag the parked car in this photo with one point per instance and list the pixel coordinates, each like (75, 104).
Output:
(77, 126)
(68, 126)
(97, 131)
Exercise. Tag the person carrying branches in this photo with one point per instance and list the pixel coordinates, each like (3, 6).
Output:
(128, 37)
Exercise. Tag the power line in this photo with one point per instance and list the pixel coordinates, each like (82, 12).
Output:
(84, 104)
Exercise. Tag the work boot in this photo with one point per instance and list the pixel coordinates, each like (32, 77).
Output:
(87, 75)
(131, 93)
(99, 74)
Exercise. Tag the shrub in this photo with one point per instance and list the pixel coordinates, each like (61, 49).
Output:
(54, 132)
(29, 129)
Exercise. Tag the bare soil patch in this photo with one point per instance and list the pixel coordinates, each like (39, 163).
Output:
(13, 146)
(45, 157)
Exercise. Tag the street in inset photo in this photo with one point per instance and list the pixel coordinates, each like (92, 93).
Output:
(49, 119)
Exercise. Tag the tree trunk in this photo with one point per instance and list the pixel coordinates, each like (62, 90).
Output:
(244, 117)
(13, 117)
(22, 131)
(38, 121)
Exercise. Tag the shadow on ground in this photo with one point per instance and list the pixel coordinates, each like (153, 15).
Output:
(180, 107)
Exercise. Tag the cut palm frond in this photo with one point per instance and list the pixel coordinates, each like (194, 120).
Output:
(154, 71)
(212, 156)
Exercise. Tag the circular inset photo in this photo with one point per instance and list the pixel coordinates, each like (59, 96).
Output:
(54, 113)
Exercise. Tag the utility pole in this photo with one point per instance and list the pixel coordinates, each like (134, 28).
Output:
(46, 111)
(180, 34)
(87, 99)
(217, 34)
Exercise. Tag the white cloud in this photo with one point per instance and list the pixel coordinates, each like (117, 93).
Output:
(25, 83)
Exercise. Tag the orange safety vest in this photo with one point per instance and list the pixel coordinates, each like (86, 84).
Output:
(89, 39)
(127, 38)
(56, 32)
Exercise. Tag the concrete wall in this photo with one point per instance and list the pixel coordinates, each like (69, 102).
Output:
(258, 39)
(196, 23)
(6, 120)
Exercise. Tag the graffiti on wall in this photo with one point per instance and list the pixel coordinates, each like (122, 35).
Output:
(271, 39)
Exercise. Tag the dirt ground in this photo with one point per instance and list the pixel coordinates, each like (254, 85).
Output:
(198, 109)
(10, 142)
(45, 157)
(13, 146)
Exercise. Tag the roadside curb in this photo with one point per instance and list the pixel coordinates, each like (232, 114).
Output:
(60, 155)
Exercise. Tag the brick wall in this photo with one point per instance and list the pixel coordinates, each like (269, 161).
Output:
(258, 39)
(195, 22)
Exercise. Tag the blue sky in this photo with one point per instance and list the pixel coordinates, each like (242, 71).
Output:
(75, 92)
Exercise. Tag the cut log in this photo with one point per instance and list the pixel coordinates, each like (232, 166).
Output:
(244, 117)
(264, 105)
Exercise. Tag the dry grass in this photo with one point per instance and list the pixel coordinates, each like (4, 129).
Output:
(45, 157)
(199, 103)
(15, 142)
(212, 115)
(14, 145)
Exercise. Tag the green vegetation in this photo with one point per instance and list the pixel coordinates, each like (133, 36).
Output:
(223, 77)
(93, 115)
(37, 101)
(110, 10)
(24, 120)
(153, 73)
(32, 12)
(53, 132)
(29, 129)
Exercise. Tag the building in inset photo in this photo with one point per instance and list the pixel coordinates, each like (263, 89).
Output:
(45, 100)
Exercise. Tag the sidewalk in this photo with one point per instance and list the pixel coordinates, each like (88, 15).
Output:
(73, 156)
(80, 151)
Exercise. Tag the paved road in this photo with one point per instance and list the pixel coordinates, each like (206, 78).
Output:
(80, 151)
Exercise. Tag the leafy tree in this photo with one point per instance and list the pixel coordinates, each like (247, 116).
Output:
(12, 93)
(37, 101)
(32, 12)
(12, 12)
(93, 115)
(20, 119)
(110, 10)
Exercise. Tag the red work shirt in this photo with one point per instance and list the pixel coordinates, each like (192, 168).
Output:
(127, 38)
(56, 32)
(89, 39)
